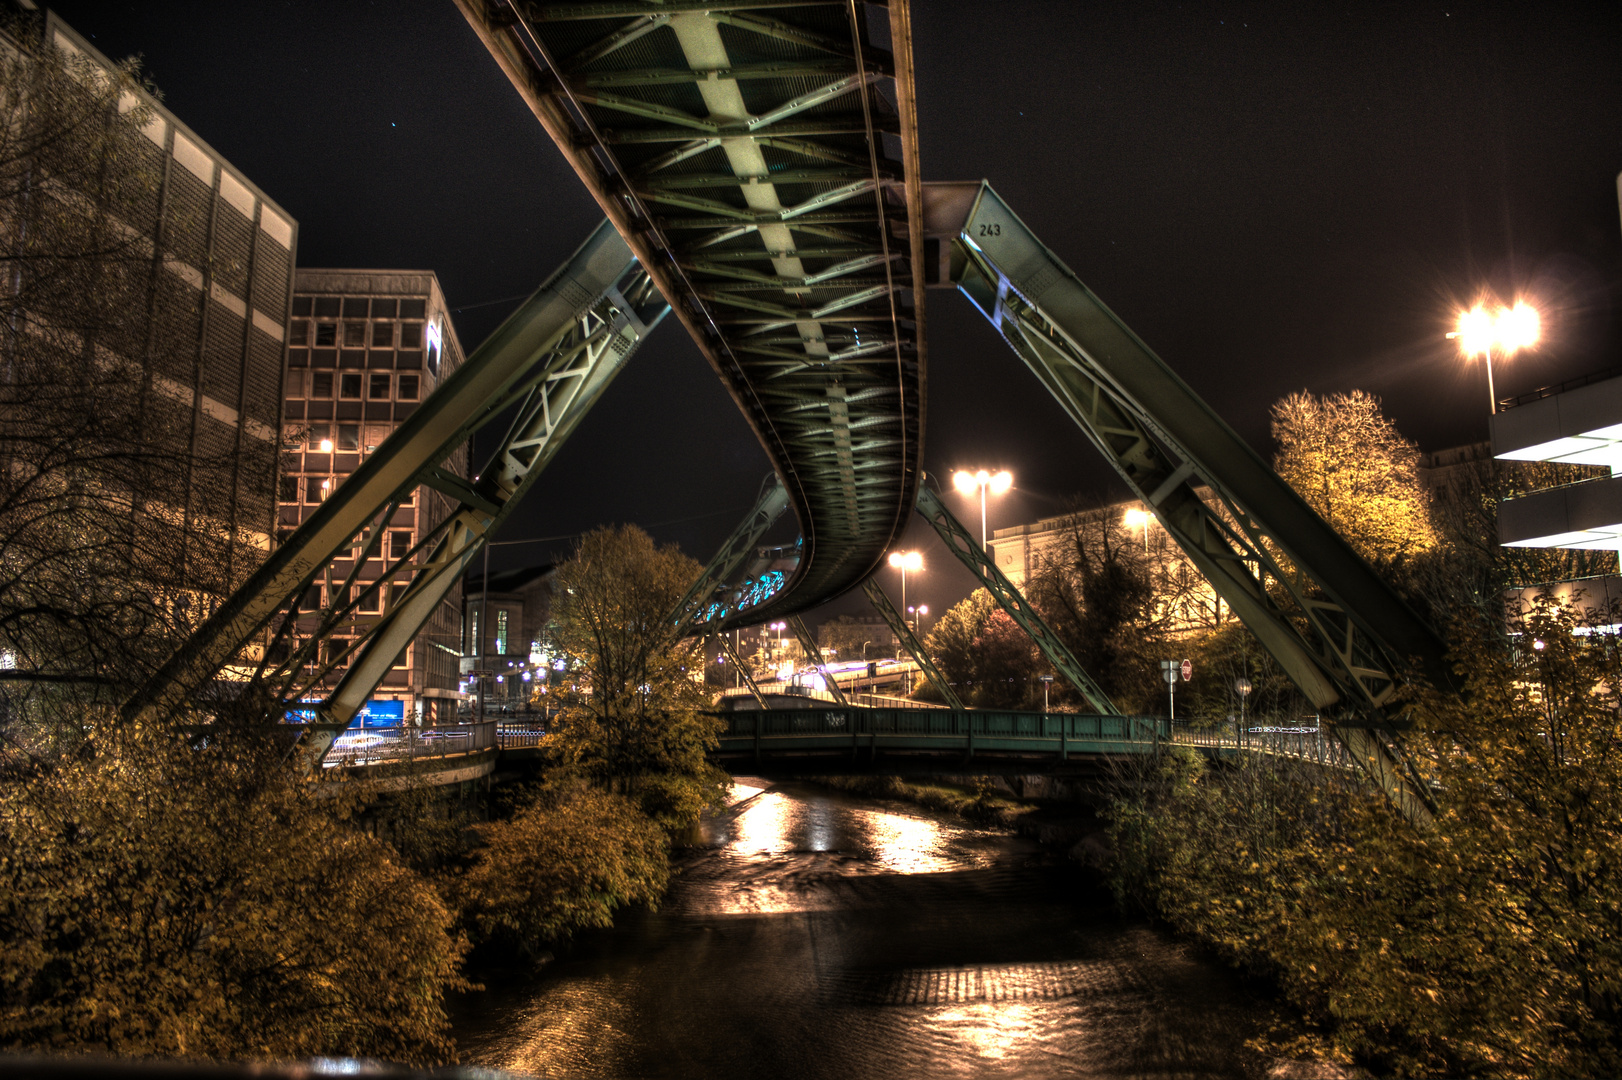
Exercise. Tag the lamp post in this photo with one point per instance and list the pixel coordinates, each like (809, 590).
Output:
(1507, 330)
(904, 561)
(1139, 519)
(1047, 680)
(967, 483)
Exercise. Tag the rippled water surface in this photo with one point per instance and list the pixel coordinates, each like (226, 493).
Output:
(828, 936)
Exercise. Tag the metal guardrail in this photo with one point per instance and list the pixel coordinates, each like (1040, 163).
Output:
(521, 736)
(1312, 744)
(390, 745)
(754, 731)
(1559, 388)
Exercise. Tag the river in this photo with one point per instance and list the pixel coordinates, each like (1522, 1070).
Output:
(823, 935)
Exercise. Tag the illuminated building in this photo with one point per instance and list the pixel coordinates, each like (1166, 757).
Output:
(365, 347)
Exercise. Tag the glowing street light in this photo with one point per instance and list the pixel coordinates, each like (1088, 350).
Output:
(1507, 331)
(1139, 519)
(967, 483)
(904, 561)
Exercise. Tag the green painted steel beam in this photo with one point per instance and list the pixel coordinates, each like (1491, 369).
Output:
(808, 642)
(1010, 599)
(512, 361)
(743, 671)
(691, 613)
(1332, 623)
(909, 641)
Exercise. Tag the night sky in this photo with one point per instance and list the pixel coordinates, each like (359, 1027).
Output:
(1275, 197)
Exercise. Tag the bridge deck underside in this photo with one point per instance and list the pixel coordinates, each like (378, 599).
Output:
(757, 161)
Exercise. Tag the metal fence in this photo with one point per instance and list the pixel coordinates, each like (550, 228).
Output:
(523, 735)
(1313, 744)
(386, 745)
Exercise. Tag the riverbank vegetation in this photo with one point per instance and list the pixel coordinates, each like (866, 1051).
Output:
(978, 801)
(1482, 944)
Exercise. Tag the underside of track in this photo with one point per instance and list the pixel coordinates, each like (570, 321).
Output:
(760, 159)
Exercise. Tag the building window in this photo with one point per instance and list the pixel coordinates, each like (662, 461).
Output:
(354, 333)
(318, 435)
(501, 633)
(371, 600)
(382, 334)
(298, 333)
(311, 600)
(408, 387)
(326, 333)
(349, 437)
(316, 488)
(301, 305)
(326, 307)
(379, 388)
(404, 659)
(384, 309)
(396, 591)
(411, 335)
(294, 386)
(413, 309)
(289, 489)
(320, 384)
(354, 307)
(399, 544)
(473, 633)
(349, 384)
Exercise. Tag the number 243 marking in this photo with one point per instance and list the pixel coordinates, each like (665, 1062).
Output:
(991, 229)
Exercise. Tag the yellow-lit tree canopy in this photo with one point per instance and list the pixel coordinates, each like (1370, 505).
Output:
(1350, 463)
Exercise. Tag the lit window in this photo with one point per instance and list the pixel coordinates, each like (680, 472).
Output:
(379, 388)
(349, 384)
(501, 632)
(408, 387)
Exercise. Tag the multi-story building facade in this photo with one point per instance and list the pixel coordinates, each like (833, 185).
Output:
(504, 625)
(146, 311)
(366, 346)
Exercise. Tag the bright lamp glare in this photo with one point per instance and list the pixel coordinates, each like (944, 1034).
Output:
(1002, 482)
(964, 482)
(1518, 327)
(1136, 518)
(896, 559)
(1506, 331)
(906, 560)
(326, 446)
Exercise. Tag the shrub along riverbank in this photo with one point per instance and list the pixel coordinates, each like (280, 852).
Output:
(1483, 944)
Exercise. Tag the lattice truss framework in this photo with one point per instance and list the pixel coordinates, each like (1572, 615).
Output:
(759, 157)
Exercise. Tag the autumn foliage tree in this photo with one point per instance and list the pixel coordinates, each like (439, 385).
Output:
(1350, 463)
(633, 720)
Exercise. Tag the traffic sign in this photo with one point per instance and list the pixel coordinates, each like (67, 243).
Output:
(1188, 670)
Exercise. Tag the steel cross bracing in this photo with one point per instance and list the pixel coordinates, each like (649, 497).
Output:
(708, 601)
(1331, 622)
(909, 641)
(1010, 599)
(808, 642)
(760, 158)
(551, 359)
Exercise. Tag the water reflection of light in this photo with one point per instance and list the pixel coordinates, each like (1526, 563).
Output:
(991, 1028)
(741, 791)
(907, 845)
(764, 825)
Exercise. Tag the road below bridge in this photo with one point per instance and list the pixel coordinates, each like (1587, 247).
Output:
(818, 934)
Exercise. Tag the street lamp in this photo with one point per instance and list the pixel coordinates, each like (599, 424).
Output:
(904, 561)
(1507, 330)
(1139, 519)
(967, 483)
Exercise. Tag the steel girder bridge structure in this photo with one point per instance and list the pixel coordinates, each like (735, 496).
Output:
(757, 161)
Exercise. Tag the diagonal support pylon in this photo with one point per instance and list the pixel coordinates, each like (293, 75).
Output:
(743, 670)
(551, 359)
(702, 605)
(969, 553)
(808, 642)
(909, 641)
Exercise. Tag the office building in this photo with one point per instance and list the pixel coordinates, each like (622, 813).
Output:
(365, 347)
